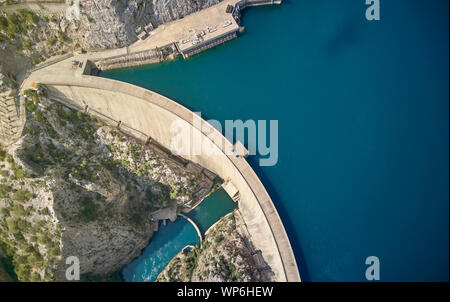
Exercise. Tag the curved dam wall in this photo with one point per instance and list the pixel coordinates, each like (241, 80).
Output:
(146, 114)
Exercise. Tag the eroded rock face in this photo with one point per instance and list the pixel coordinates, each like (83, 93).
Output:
(110, 23)
(73, 186)
(101, 24)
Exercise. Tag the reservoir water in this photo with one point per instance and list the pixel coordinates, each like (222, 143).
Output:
(363, 111)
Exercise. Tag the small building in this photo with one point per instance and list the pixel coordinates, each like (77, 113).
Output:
(143, 35)
(231, 190)
(139, 30)
(149, 28)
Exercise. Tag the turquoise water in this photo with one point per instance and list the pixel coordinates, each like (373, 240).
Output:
(170, 239)
(163, 246)
(212, 209)
(363, 127)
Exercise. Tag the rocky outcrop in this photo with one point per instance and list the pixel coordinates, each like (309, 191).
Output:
(28, 38)
(73, 186)
(225, 255)
(111, 23)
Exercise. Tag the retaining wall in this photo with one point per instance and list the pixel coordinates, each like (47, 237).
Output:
(12, 117)
(208, 44)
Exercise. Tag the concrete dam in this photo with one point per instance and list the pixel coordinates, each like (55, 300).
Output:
(147, 115)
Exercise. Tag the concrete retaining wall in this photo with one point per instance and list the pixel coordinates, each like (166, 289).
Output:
(248, 3)
(12, 117)
(208, 44)
(147, 113)
(129, 60)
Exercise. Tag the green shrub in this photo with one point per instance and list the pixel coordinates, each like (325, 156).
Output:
(30, 106)
(38, 116)
(12, 224)
(89, 210)
(3, 23)
(29, 16)
(44, 239)
(27, 45)
(44, 211)
(20, 173)
(22, 196)
(2, 154)
(5, 212)
(52, 41)
(18, 210)
(9, 158)
(4, 191)
(62, 37)
(218, 238)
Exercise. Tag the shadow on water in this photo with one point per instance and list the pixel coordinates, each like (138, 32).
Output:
(290, 229)
(346, 36)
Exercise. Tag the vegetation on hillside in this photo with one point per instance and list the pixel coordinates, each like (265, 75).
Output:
(75, 186)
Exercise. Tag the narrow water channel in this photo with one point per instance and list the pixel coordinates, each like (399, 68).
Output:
(171, 238)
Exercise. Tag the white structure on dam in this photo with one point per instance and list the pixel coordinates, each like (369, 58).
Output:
(148, 115)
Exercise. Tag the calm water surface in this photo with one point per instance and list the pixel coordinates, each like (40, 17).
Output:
(363, 127)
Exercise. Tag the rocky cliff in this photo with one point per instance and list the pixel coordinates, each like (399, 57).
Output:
(73, 186)
(110, 23)
(29, 37)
